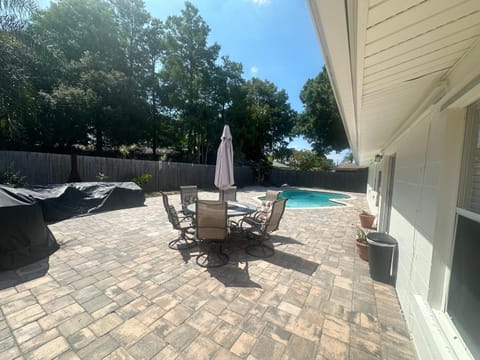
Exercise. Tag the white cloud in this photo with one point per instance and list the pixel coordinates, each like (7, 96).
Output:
(253, 70)
(261, 2)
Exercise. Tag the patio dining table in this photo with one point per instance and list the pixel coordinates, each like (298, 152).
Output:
(234, 208)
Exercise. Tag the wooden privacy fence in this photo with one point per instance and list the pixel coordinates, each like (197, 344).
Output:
(45, 168)
(354, 181)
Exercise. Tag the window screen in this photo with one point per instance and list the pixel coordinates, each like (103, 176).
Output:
(464, 293)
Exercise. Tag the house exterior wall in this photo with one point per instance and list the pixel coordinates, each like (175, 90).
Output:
(425, 192)
(417, 192)
(412, 221)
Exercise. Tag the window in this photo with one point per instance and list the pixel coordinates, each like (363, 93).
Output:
(470, 199)
(464, 293)
(463, 302)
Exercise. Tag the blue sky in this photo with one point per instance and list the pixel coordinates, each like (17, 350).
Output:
(273, 39)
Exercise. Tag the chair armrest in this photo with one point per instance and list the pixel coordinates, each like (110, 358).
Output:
(253, 222)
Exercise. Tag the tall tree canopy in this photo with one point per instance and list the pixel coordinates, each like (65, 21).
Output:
(106, 73)
(13, 13)
(188, 72)
(17, 105)
(268, 119)
(320, 122)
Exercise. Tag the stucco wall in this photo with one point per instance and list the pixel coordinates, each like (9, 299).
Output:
(426, 181)
(414, 203)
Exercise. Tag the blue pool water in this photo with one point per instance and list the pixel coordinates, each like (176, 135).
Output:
(309, 198)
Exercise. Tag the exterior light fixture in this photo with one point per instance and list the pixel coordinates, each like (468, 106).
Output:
(378, 157)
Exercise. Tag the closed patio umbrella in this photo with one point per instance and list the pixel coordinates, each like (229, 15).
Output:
(224, 167)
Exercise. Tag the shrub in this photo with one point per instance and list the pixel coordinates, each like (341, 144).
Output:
(101, 176)
(142, 179)
(11, 177)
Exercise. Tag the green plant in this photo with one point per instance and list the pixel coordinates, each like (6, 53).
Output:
(142, 179)
(11, 177)
(307, 160)
(361, 236)
(101, 176)
(262, 167)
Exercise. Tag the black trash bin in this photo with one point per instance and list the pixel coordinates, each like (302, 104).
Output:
(382, 257)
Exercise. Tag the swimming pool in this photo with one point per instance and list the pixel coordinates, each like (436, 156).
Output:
(310, 198)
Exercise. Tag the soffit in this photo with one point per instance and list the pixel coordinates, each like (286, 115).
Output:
(400, 52)
(409, 48)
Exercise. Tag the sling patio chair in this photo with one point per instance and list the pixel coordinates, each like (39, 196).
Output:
(228, 194)
(211, 231)
(186, 237)
(188, 195)
(259, 225)
(272, 195)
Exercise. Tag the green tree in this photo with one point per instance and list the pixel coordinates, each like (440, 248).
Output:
(95, 64)
(17, 94)
(17, 103)
(13, 14)
(268, 120)
(132, 21)
(159, 129)
(309, 160)
(187, 77)
(73, 27)
(320, 121)
(64, 113)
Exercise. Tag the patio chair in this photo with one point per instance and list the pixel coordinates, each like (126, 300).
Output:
(272, 195)
(211, 232)
(183, 224)
(260, 225)
(228, 194)
(188, 195)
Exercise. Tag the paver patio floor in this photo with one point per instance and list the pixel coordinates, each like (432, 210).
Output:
(114, 290)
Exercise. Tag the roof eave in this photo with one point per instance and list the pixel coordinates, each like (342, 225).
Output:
(332, 32)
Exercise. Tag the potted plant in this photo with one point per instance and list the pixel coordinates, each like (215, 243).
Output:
(366, 219)
(362, 244)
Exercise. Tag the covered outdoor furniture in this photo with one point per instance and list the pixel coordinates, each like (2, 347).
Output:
(183, 224)
(188, 195)
(211, 232)
(259, 225)
(24, 236)
(64, 201)
(228, 194)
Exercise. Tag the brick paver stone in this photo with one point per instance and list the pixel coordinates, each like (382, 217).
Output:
(114, 290)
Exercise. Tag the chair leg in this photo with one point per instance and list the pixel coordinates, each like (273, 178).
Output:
(211, 255)
(183, 241)
(258, 248)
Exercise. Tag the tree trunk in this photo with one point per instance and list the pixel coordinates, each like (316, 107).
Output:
(99, 140)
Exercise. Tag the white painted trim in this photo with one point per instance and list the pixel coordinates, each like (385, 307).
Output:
(358, 13)
(434, 336)
(467, 95)
(453, 337)
(468, 214)
(330, 22)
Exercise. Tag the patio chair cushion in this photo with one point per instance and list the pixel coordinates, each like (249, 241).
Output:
(263, 212)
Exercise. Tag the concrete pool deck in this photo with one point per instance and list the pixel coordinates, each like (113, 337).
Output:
(114, 290)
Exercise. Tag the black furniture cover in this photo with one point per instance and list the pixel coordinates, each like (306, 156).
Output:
(24, 236)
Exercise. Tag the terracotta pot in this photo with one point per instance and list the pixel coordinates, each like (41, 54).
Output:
(362, 250)
(366, 220)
